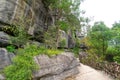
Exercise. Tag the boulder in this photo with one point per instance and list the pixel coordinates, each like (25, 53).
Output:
(5, 58)
(2, 77)
(56, 68)
(4, 39)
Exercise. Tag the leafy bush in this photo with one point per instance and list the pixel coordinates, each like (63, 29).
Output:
(52, 52)
(21, 38)
(113, 54)
(51, 37)
(62, 43)
(10, 48)
(63, 25)
(23, 64)
(117, 59)
(76, 51)
(18, 30)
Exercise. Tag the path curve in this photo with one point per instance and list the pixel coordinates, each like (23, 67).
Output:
(88, 73)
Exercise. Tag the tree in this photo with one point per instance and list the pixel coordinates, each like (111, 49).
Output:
(99, 37)
(116, 34)
(66, 14)
(115, 42)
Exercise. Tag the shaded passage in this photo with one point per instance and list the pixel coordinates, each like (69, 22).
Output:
(88, 73)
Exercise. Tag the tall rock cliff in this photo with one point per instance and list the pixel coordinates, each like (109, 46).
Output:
(33, 12)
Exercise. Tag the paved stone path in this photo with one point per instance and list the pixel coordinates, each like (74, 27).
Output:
(88, 73)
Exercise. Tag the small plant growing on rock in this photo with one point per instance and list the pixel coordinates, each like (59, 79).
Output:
(23, 64)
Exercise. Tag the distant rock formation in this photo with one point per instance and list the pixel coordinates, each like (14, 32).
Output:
(56, 68)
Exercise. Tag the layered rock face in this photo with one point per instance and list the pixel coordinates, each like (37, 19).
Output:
(56, 68)
(5, 60)
(4, 39)
(33, 12)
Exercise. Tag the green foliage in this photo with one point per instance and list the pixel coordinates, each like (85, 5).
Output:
(63, 25)
(21, 38)
(104, 42)
(62, 43)
(10, 48)
(18, 30)
(23, 64)
(51, 37)
(76, 51)
(99, 37)
(117, 58)
(110, 54)
(52, 52)
(113, 54)
(115, 42)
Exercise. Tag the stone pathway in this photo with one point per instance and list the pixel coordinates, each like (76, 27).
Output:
(88, 73)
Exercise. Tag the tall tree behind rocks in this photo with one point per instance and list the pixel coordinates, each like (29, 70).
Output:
(65, 16)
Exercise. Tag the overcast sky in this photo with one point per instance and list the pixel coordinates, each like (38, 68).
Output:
(102, 10)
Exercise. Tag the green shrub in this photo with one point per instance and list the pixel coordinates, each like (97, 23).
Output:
(52, 52)
(50, 37)
(113, 54)
(63, 25)
(76, 51)
(62, 43)
(10, 48)
(117, 59)
(23, 64)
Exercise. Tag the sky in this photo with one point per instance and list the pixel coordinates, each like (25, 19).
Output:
(102, 10)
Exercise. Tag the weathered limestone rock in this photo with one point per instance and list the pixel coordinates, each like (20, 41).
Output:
(56, 68)
(33, 13)
(4, 39)
(63, 39)
(71, 42)
(5, 58)
(2, 77)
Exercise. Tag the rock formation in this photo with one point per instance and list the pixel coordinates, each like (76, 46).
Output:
(35, 15)
(4, 39)
(56, 68)
(33, 12)
(5, 60)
